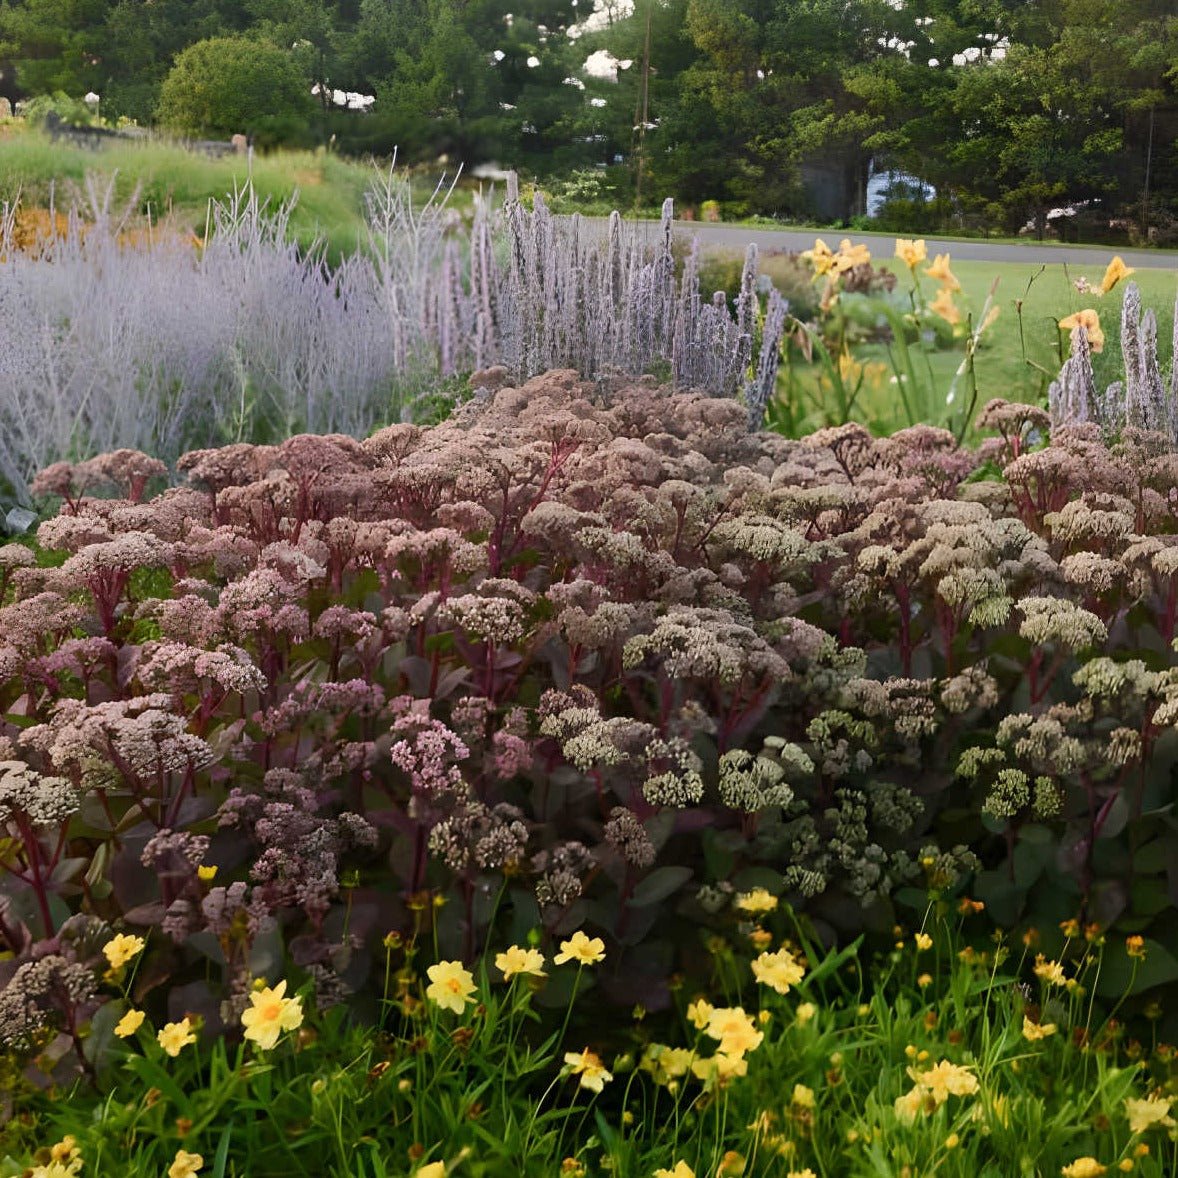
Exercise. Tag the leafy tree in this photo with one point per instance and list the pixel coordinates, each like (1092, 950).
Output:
(226, 85)
(54, 44)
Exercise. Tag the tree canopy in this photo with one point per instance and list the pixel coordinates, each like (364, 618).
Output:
(1006, 107)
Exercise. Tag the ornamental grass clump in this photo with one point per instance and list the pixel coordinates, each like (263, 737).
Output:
(163, 343)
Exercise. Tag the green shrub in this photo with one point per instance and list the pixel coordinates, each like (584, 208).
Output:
(231, 85)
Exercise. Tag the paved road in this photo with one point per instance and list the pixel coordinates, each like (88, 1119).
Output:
(964, 250)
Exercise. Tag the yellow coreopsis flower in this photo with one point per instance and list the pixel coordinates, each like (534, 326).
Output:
(944, 306)
(757, 901)
(269, 1014)
(185, 1164)
(129, 1023)
(66, 1150)
(581, 949)
(699, 1013)
(778, 970)
(939, 269)
(57, 1170)
(1050, 972)
(1036, 1031)
(450, 986)
(802, 1096)
(923, 942)
(176, 1036)
(1135, 947)
(122, 949)
(911, 253)
(946, 1079)
(806, 1173)
(720, 1068)
(731, 1165)
(206, 874)
(589, 1067)
(432, 1170)
(1145, 1114)
(1089, 320)
(734, 1029)
(517, 960)
(681, 1170)
(1086, 1167)
(805, 1012)
(910, 1104)
(1114, 273)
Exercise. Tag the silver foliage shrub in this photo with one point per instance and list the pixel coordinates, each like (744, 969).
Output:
(163, 348)
(1142, 400)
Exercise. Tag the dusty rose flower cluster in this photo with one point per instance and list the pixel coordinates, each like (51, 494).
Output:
(556, 648)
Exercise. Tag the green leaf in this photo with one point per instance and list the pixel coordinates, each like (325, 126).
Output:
(222, 1156)
(1118, 976)
(658, 885)
(153, 1076)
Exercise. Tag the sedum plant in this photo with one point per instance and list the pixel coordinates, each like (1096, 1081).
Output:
(586, 655)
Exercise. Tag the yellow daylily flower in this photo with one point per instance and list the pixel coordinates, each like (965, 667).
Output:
(911, 253)
(944, 306)
(1115, 271)
(1089, 320)
(939, 269)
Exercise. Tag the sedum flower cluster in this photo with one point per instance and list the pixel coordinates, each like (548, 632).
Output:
(590, 647)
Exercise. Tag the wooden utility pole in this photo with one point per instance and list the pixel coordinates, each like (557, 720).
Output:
(1145, 188)
(642, 113)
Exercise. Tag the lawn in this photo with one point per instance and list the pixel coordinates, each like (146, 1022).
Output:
(169, 181)
(1019, 354)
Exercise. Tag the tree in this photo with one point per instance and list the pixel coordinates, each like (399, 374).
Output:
(55, 44)
(229, 85)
